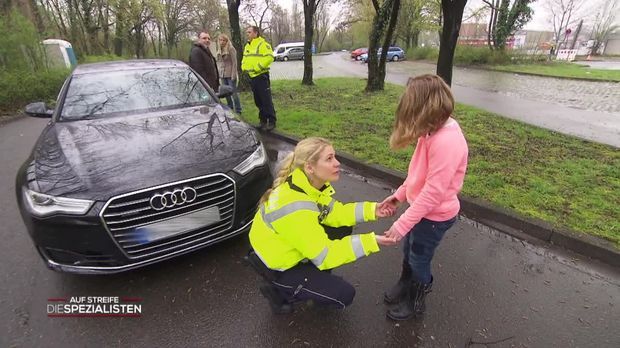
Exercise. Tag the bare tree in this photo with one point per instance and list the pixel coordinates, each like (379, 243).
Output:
(562, 12)
(280, 25)
(177, 19)
(322, 23)
(259, 13)
(206, 13)
(604, 24)
(297, 22)
(310, 8)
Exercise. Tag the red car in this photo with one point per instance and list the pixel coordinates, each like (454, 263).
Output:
(355, 54)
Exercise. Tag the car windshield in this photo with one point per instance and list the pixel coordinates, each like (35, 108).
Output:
(112, 93)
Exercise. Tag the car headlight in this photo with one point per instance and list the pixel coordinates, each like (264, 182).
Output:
(41, 204)
(256, 159)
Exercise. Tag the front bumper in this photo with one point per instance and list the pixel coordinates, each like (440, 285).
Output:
(117, 269)
(84, 244)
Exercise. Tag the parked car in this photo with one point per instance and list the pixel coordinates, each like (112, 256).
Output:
(139, 163)
(355, 54)
(394, 54)
(291, 53)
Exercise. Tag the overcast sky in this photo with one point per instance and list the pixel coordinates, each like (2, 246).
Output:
(540, 21)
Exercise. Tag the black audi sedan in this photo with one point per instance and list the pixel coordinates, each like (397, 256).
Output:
(139, 163)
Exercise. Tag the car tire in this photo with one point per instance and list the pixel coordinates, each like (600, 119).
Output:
(302, 57)
(357, 57)
(395, 58)
(285, 59)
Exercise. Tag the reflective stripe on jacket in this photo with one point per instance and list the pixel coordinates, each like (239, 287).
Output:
(287, 228)
(257, 57)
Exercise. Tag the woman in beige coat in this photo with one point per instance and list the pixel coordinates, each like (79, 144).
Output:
(227, 61)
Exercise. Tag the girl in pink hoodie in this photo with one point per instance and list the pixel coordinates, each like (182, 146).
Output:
(434, 178)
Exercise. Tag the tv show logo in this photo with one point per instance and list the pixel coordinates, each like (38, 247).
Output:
(94, 306)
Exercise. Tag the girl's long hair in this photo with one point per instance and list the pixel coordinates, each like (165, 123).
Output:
(307, 150)
(424, 107)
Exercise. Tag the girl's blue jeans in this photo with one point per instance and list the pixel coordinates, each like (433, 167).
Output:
(420, 245)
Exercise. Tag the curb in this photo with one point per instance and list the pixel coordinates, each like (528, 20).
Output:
(501, 219)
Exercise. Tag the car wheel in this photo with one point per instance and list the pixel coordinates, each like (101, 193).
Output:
(395, 58)
(357, 57)
(286, 59)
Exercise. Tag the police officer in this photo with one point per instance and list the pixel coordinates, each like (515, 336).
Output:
(257, 57)
(289, 230)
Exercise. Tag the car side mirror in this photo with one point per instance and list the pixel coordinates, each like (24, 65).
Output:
(225, 91)
(38, 109)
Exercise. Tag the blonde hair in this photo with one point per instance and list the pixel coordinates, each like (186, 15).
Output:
(424, 107)
(306, 151)
(225, 48)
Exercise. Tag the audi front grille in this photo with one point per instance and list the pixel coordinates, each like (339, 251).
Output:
(135, 219)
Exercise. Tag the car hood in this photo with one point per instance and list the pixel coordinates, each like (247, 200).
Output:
(100, 158)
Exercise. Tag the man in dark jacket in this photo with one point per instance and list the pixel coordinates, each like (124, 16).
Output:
(203, 62)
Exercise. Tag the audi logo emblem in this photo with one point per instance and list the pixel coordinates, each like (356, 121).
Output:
(169, 199)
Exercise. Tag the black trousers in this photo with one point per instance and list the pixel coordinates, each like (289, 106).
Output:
(261, 88)
(306, 282)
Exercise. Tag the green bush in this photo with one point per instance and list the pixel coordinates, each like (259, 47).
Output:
(20, 87)
(101, 58)
(420, 53)
(19, 43)
(469, 55)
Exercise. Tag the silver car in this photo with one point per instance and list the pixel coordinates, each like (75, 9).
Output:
(292, 53)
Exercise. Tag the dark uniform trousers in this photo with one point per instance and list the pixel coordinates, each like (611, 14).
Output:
(306, 282)
(261, 88)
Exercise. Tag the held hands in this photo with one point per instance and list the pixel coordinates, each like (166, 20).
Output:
(389, 237)
(387, 207)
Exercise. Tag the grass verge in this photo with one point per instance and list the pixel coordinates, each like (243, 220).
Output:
(542, 174)
(558, 69)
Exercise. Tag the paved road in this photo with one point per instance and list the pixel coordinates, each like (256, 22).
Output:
(589, 110)
(489, 287)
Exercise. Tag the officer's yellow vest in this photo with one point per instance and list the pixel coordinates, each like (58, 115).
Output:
(257, 57)
(287, 228)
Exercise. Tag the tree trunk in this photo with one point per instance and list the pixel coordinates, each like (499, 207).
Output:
(376, 65)
(120, 34)
(452, 17)
(309, 10)
(235, 33)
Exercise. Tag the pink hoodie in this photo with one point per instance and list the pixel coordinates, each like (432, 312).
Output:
(434, 178)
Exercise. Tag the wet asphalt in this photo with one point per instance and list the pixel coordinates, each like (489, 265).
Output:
(489, 287)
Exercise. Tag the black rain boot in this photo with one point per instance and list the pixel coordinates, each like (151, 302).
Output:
(277, 303)
(413, 305)
(398, 291)
(261, 126)
(269, 126)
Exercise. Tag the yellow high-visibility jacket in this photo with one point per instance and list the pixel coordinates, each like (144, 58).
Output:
(257, 57)
(287, 228)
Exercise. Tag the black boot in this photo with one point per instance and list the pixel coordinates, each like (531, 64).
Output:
(278, 304)
(398, 291)
(413, 305)
(261, 126)
(269, 126)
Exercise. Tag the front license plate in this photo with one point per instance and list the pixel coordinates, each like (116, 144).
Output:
(178, 225)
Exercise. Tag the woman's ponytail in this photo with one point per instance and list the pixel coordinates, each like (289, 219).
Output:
(286, 170)
(307, 150)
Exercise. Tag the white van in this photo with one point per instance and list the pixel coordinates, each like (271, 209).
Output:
(281, 48)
